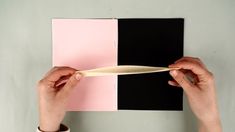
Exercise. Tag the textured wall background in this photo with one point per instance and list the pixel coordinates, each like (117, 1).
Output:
(25, 55)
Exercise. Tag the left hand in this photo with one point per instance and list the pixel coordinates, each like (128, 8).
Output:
(54, 90)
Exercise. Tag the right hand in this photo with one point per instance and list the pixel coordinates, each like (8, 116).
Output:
(201, 93)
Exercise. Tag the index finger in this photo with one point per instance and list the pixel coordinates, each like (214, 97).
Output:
(57, 72)
(192, 65)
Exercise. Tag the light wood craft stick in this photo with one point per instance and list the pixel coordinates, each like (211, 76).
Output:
(124, 70)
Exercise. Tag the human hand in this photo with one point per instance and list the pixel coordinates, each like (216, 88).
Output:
(199, 87)
(54, 90)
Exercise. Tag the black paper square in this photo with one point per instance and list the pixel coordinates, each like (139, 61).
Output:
(150, 42)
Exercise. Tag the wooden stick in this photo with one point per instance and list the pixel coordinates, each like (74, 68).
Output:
(124, 70)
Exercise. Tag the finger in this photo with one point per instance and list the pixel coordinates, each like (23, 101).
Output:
(62, 80)
(173, 83)
(57, 72)
(195, 67)
(191, 59)
(182, 80)
(185, 58)
(71, 83)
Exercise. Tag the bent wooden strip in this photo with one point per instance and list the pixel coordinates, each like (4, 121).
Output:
(124, 70)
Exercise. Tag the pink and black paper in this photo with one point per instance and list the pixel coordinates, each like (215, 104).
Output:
(92, 43)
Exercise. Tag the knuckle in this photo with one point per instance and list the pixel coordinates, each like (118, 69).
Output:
(196, 63)
(181, 81)
(43, 83)
(210, 76)
(65, 67)
(191, 62)
(197, 59)
(193, 59)
(40, 84)
(55, 67)
(187, 57)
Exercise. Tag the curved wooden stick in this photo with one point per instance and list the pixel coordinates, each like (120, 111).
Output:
(124, 70)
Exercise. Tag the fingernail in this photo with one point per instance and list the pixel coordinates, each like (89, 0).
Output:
(173, 73)
(78, 76)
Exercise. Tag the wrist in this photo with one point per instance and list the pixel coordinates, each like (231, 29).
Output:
(62, 128)
(47, 123)
(210, 126)
(49, 127)
(50, 120)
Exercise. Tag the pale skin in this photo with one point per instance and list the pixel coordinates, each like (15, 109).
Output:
(55, 88)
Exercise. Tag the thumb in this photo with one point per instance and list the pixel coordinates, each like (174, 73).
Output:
(71, 83)
(182, 80)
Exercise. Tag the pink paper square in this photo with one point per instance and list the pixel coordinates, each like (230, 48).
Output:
(87, 44)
